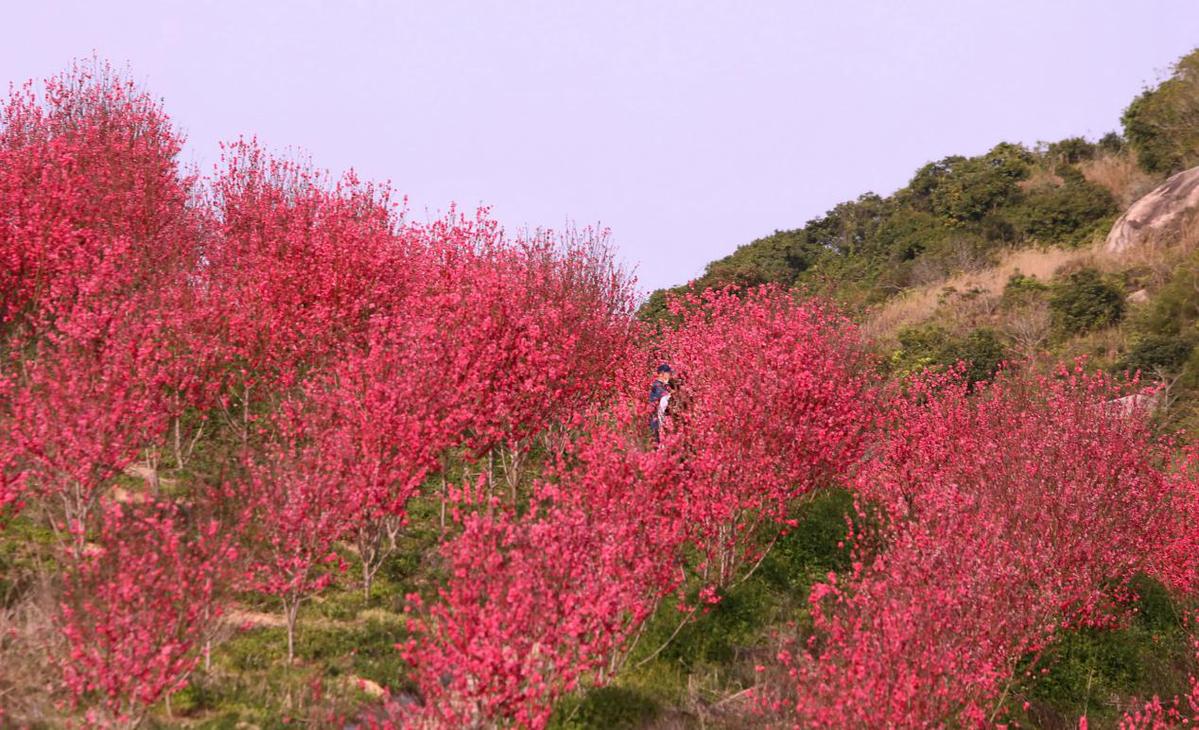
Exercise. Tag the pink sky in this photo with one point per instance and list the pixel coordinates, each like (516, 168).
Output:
(689, 128)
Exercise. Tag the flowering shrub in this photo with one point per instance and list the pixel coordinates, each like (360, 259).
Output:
(538, 602)
(1008, 515)
(779, 398)
(136, 605)
(92, 202)
(299, 509)
(89, 402)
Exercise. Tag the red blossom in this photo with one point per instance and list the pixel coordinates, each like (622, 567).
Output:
(1007, 515)
(137, 604)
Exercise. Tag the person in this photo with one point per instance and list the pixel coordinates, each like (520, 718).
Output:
(659, 398)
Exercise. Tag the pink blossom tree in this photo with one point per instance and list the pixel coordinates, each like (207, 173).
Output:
(137, 604)
(90, 401)
(299, 510)
(1005, 516)
(540, 602)
(779, 395)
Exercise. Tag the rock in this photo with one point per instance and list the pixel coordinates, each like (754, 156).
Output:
(1129, 404)
(1156, 212)
(1140, 296)
(374, 689)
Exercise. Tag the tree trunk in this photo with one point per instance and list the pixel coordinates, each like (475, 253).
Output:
(291, 607)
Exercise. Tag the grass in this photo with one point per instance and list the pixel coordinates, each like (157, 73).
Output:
(920, 304)
(1120, 174)
(712, 657)
(345, 650)
(1103, 673)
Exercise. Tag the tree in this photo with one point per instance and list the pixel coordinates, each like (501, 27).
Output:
(780, 396)
(299, 509)
(537, 330)
(1161, 124)
(380, 419)
(90, 400)
(137, 605)
(93, 205)
(539, 602)
(1001, 518)
(293, 273)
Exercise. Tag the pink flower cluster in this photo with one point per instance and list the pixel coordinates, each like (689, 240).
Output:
(990, 521)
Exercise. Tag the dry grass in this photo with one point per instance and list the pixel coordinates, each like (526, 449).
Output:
(1155, 259)
(919, 304)
(29, 639)
(1120, 175)
(1041, 177)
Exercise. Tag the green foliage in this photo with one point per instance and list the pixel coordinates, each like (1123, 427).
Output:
(930, 346)
(1111, 143)
(1174, 308)
(1087, 668)
(653, 309)
(285, 698)
(605, 707)
(1157, 354)
(255, 650)
(26, 542)
(1085, 301)
(1162, 124)
(814, 547)
(716, 635)
(920, 347)
(1070, 213)
(1071, 150)
(850, 228)
(983, 352)
(963, 190)
(722, 644)
(800, 557)
(1021, 289)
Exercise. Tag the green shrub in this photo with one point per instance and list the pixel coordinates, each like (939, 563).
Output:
(1069, 213)
(1071, 150)
(982, 352)
(1160, 123)
(929, 346)
(1091, 670)
(1111, 143)
(256, 649)
(605, 707)
(1157, 353)
(1021, 289)
(1084, 301)
(814, 546)
(966, 189)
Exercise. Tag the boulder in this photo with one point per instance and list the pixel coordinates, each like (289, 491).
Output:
(1137, 402)
(1140, 296)
(1156, 213)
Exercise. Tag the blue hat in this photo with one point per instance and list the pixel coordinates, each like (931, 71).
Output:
(664, 368)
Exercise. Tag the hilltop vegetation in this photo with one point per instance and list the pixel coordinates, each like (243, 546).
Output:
(958, 213)
(996, 257)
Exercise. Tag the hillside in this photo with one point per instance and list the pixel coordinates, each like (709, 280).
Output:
(273, 453)
(981, 257)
